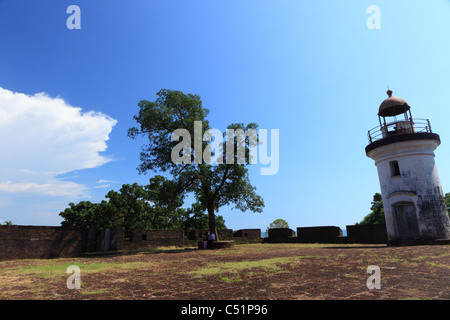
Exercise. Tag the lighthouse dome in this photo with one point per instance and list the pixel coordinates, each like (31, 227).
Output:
(392, 106)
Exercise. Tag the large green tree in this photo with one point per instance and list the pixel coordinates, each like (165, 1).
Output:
(161, 121)
(376, 216)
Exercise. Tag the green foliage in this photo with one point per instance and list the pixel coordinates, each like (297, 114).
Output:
(212, 185)
(130, 207)
(278, 223)
(82, 214)
(376, 216)
(134, 207)
(195, 218)
(157, 120)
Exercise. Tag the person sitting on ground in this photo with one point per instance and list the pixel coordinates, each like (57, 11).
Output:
(211, 239)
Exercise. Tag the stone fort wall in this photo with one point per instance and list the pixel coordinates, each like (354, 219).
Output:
(367, 234)
(19, 242)
(28, 242)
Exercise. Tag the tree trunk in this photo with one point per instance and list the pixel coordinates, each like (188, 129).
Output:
(212, 220)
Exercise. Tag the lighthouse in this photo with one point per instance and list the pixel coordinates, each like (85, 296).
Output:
(403, 151)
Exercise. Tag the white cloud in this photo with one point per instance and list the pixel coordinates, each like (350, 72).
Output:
(51, 188)
(106, 181)
(103, 186)
(42, 137)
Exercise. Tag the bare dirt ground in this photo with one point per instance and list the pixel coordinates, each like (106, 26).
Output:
(248, 271)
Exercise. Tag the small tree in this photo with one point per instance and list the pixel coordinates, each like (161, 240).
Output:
(377, 214)
(276, 224)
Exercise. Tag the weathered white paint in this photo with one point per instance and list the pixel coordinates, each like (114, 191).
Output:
(418, 183)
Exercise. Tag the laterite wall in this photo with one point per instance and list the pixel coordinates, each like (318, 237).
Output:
(28, 242)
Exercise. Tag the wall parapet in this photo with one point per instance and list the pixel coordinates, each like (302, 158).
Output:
(28, 242)
(367, 234)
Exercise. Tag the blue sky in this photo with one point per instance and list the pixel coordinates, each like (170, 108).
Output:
(311, 69)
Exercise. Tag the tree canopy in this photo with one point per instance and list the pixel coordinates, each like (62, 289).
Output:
(376, 216)
(136, 207)
(278, 223)
(174, 115)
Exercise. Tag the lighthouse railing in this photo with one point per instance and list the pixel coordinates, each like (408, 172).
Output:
(399, 127)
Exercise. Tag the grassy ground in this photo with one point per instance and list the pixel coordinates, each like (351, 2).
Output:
(248, 271)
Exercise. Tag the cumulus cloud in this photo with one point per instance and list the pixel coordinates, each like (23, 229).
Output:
(43, 137)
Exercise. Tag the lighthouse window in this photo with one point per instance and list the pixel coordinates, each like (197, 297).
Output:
(395, 169)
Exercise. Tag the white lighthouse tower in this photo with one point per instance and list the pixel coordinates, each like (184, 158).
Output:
(413, 200)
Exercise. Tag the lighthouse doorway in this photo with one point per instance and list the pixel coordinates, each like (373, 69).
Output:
(406, 220)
